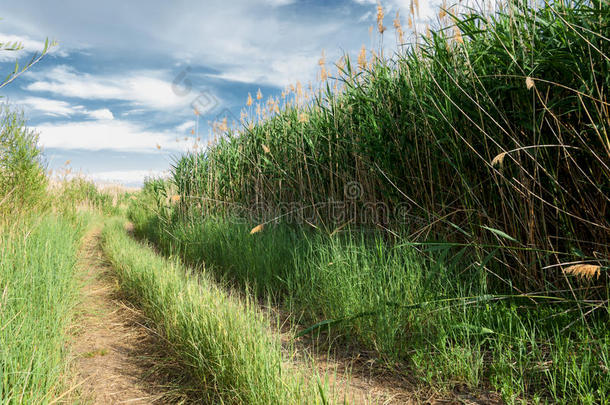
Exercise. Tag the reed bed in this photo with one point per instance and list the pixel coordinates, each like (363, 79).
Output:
(444, 206)
(493, 121)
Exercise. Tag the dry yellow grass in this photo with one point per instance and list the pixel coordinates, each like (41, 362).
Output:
(586, 271)
(257, 229)
(499, 160)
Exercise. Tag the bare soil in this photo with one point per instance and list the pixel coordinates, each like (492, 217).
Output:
(117, 358)
(360, 377)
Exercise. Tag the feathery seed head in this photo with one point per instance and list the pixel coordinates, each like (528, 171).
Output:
(458, 34)
(257, 229)
(380, 16)
(586, 271)
(362, 58)
(400, 36)
(499, 160)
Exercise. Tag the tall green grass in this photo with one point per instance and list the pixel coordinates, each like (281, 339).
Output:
(40, 231)
(506, 130)
(38, 292)
(428, 313)
(225, 344)
(487, 154)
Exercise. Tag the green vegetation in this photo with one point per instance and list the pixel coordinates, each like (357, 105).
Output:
(444, 209)
(504, 127)
(40, 233)
(483, 150)
(225, 344)
(433, 312)
(38, 292)
(22, 174)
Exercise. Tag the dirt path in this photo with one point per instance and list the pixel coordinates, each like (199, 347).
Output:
(117, 359)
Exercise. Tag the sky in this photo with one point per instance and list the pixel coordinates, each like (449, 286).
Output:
(115, 99)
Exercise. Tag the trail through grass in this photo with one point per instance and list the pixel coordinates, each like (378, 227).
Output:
(116, 356)
(223, 342)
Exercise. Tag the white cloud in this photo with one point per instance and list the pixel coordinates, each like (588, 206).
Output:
(57, 108)
(49, 106)
(99, 135)
(126, 177)
(101, 114)
(186, 126)
(27, 46)
(143, 89)
(267, 46)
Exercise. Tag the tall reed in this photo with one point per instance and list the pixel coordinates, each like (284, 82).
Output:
(491, 130)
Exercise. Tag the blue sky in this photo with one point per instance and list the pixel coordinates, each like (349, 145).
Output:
(125, 76)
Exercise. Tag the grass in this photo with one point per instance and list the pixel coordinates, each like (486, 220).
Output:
(224, 343)
(504, 126)
(38, 294)
(444, 206)
(482, 150)
(429, 312)
(41, 226)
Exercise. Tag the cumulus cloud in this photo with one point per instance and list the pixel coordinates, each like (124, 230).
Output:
(101, 114)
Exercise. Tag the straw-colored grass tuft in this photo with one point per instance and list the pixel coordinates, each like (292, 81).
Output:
(257, 229)
(587, 271)
(499, 160)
